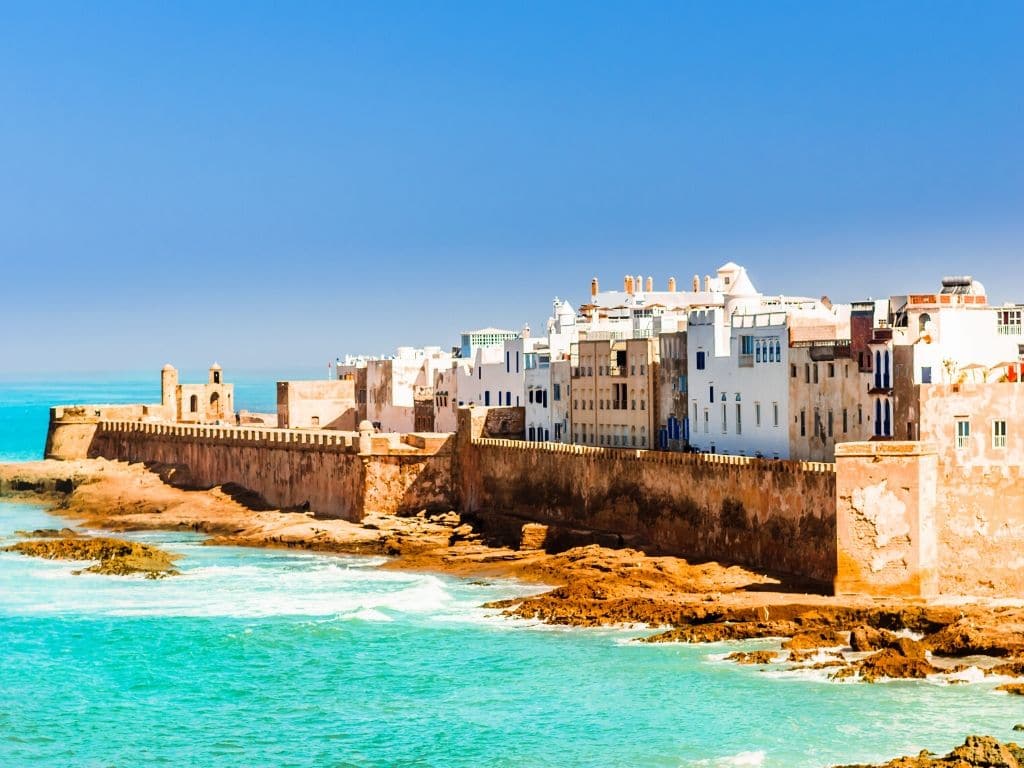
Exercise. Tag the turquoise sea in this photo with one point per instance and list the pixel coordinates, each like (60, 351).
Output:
(260, 658)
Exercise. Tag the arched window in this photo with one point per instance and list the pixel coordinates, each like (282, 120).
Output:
(922, 322)
(885, 377)
(878, 370)
(194, 403)
(887, 424)
(757, 352)
(778, 351)
(878, 417)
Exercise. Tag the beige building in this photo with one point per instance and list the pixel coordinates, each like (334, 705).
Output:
(828, 399)
(207, 403)
(317, 405)
(613, 393)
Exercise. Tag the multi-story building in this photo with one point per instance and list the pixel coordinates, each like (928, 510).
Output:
(483, 338)
(560, 400)
(673, 399)
(396, 393)
(613, 388)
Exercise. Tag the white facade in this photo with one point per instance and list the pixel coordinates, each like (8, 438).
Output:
(395, 385)
(538, 395)
(738, 383)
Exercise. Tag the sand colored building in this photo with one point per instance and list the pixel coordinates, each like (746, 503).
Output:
(614, 392)
(207, 403)
(317, 405)
(828, 399)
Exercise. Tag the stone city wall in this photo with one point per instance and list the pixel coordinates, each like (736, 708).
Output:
(774, 515)
(319, 471)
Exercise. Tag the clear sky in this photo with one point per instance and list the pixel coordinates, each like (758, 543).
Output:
(275, 184)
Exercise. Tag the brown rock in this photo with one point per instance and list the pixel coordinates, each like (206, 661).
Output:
(975, 752)
(865, 638)
(904, 658)
(818, 638)
(1016, 689)
(533, 536)
(752, 657)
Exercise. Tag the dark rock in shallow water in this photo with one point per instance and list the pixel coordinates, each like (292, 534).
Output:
(116, 557)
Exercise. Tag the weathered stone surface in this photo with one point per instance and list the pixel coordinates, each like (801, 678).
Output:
(903, 658)
(116, 556)
(865, 638)
(752, 657)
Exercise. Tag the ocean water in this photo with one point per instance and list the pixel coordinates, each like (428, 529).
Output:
(254, 658)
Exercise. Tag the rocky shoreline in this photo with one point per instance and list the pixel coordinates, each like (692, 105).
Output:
(114, 557)
(852, 639)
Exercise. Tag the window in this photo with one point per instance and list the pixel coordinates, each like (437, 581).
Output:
(860, 414)
(807, 373)
(926, 374)
(846, 423)
(739, 420)
(725, 418)
(775, 414)
(757, 414)
(815, 373)
(999, 433)
(508, 365)
(792, 371)
(803, 423)
(711, 394)
(831, 370)
(830, 423)
(193, 403)
(757, 353)
(508, 398)
(746, 345)
(963, 432)
(487, 397)
(557, 392)
(700, 361)
(707, 421)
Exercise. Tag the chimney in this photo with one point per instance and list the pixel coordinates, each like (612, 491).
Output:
(593, 288)
(707, 283)
(671, 285)
(696, 283)
(650, 283)
(628, 284)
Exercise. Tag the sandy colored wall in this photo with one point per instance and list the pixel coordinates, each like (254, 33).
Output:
(316, 470)
(886, 522)
(773, 515)
(317, 404)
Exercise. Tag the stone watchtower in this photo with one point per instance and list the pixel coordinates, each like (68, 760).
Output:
(169, 392)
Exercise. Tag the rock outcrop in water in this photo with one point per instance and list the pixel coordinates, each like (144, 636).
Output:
(117, 557)
(975, 752)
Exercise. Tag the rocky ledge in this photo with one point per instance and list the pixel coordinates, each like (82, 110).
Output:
(975, 752)
(116, 557)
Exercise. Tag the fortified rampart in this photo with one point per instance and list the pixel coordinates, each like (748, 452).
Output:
(772, 515)
(318, 470)
(888, 518)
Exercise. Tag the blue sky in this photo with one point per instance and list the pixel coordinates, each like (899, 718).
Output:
(275, 184)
